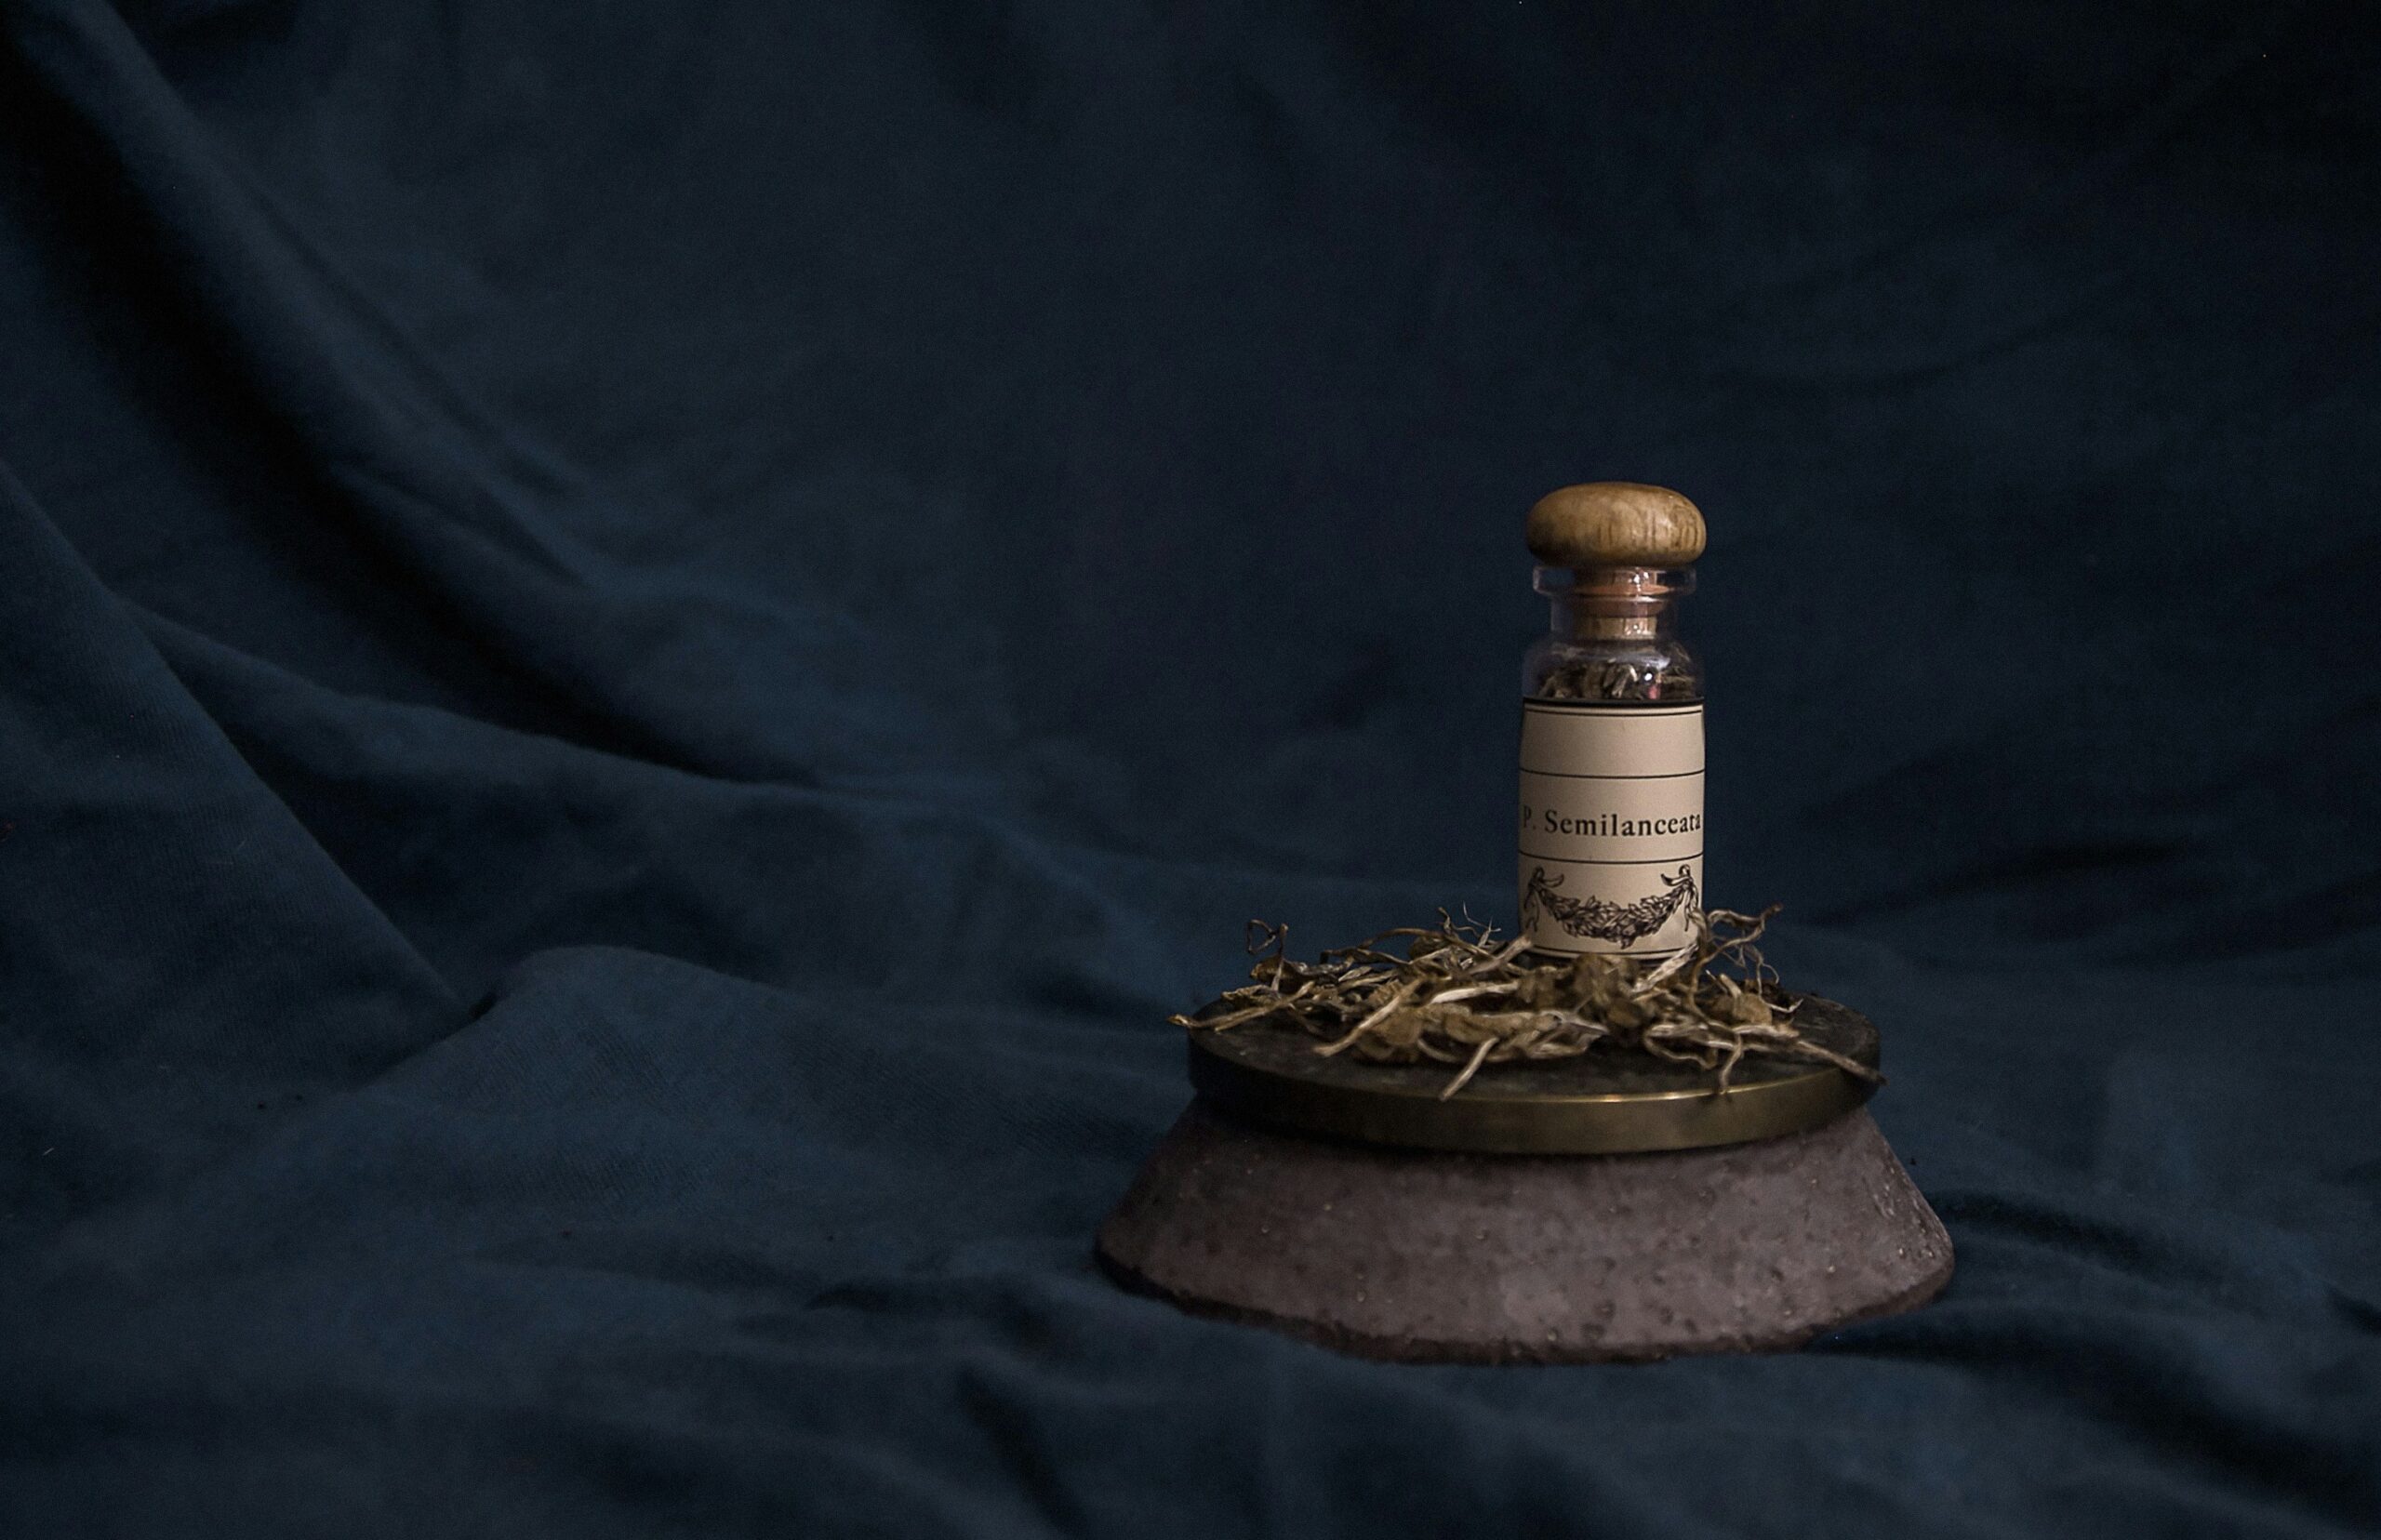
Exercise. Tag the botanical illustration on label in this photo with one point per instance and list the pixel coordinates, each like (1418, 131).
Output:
(1612, 825)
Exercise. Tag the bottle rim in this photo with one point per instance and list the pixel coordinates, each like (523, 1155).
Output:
(1609, 584)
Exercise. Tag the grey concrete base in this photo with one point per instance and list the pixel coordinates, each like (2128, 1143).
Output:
(1421, 1256)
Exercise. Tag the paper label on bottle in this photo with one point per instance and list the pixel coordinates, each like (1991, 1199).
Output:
(1612, 824)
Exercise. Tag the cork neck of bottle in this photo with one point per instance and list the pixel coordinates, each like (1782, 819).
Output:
(1616, 603)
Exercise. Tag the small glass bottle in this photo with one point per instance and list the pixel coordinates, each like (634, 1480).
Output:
(1611, 726)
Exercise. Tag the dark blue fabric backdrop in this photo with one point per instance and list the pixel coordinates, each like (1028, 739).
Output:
(642, 645)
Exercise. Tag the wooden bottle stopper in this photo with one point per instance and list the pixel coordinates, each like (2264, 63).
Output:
(1614, 523)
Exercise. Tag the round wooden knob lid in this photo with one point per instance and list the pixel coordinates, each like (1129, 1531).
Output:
(1614, 523)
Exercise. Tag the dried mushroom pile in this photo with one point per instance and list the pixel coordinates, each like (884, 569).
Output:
(1459, 996)
(1647, 677)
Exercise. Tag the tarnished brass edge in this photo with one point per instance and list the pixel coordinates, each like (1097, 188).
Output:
(1620, 1125)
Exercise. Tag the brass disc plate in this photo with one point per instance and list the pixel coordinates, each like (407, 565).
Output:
(1603, 1102)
